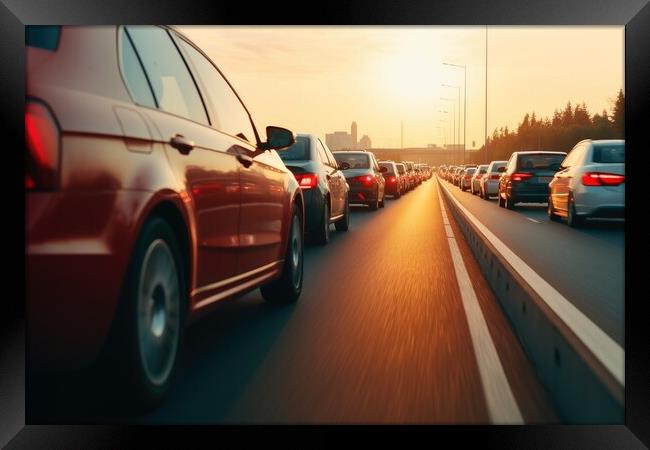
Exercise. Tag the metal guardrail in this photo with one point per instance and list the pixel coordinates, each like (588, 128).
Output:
(580, 366)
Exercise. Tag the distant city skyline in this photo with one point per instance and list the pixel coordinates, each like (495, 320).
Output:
(342, 140)
(312, 79)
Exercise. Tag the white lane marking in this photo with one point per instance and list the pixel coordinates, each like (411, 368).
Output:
(605, 349)
(501, 403)
(533, 220)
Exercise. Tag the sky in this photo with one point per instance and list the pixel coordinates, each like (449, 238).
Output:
(318, 79)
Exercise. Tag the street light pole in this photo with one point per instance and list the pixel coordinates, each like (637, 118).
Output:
(487, 160)
(464, 67)
(457, 87)
(453, 124)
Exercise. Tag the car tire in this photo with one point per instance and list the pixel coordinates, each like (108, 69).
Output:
(374, 205)
(343, 224)
(147, 337)
(510, 202)
(399, 193)
(573, 220)
(287, 288)
(500, 199)
(383, 200)
(551, 211)
(321, 233)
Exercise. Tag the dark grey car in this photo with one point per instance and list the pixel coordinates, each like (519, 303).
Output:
(324, 187)
(527, 177)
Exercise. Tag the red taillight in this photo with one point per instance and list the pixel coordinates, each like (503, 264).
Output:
(521, 176)
(479, 176)
(602, 179)
(42, 142)
(367, 180)
(495, 177)
(392, 179)
(307, 180)
(467, 177)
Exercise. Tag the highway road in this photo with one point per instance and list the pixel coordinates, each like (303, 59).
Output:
(586, 265)
(395, 324)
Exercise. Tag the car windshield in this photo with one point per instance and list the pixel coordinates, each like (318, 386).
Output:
(355, 160)
(540, 161)
(298, 151)
(609, 154)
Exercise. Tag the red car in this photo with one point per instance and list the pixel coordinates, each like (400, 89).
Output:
(149, 197)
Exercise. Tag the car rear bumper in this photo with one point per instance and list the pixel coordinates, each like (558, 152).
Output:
(606, 212)
(361, 195)
(77, 248)
(593, 201)
(491, 187)
(391, 188)
(530, 194)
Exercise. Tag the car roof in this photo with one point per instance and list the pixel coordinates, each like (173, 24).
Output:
(606, 141)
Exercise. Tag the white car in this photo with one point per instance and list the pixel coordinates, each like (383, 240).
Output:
(590, 183)
(489, 184)
(475, 183)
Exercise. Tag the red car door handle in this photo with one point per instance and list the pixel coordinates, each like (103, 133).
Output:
(182, 144)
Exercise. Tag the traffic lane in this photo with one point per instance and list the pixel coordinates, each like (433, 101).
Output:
(378, 335)
(585, 265)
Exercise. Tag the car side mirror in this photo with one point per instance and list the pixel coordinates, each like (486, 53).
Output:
(383, 169)
(344, 166)
(278, 138)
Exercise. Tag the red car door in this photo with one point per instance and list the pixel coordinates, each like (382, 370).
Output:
(207, 172)
(263, 199)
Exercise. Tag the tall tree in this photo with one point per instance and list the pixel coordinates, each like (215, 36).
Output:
(618, 114)
(580, 115)
(567, 115)
(557, 118)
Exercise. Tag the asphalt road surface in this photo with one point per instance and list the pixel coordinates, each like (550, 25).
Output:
(395, 325)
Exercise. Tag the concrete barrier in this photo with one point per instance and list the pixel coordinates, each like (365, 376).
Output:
(581, 368)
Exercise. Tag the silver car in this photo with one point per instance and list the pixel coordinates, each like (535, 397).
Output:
(465, 178)
(475, 183)
(590, 183)
(489, 183)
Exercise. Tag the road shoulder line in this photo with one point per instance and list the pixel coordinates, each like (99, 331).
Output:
(501, 403)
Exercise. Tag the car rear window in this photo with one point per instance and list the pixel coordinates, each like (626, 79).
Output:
(388, 166)
(43, 36)
(355, 160)
(540, 161)
(495, 166)
(609, 154)
(298, 151)
(470, 170)
(400, 168)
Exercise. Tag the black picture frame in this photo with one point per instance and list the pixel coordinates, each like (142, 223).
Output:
(633, 14)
